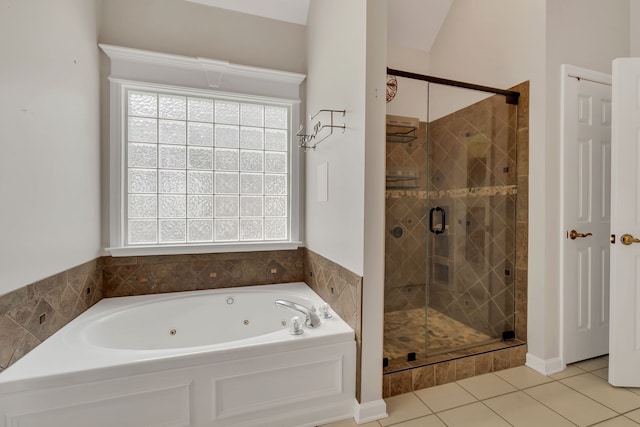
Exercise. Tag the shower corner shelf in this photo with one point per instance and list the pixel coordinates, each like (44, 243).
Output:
(402, 134)
(401, 130)
(402, 181)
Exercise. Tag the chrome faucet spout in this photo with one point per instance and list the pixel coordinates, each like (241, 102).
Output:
(312, 320)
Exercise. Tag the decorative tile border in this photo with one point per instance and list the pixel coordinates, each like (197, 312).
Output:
(501, 190)
(398, 194)
(458, 193)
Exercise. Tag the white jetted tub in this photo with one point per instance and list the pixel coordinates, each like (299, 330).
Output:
(222, 357)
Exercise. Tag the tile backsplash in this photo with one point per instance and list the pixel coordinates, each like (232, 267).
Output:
(342, 290)
(174, 273)
(31, 314)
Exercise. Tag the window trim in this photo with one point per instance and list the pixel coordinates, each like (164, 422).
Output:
(170, 73)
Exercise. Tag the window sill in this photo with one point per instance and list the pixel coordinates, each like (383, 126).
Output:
(201, 249)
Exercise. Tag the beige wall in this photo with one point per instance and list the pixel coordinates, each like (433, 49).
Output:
(499, 43)
(634, 24)
(411, 98)
(335, 80)
(49, 117)
(185, 28)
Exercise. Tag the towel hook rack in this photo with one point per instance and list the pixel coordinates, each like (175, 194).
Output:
(305, 140)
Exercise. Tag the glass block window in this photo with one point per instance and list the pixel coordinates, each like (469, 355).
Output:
(205, 170)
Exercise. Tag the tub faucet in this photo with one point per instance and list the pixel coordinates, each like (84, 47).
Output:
(312, 319)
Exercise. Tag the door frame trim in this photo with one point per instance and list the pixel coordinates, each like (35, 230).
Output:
(569, 74)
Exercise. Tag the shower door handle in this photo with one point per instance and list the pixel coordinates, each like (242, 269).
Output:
(443, 223)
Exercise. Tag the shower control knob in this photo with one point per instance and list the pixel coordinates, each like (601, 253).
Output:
(397, 232)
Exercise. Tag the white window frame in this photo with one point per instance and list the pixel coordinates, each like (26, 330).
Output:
(144, 70)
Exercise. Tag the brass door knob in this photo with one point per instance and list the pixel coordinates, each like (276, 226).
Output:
(628, 239)
(573, 235)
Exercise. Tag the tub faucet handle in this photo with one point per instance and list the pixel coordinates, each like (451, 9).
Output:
(311, 318)
(296, 327)
(325, 311)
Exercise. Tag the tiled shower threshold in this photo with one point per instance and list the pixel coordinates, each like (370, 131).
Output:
(404, 377)
(396, 365)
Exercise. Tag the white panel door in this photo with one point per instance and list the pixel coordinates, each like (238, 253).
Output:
(624, 345)
(586, 216)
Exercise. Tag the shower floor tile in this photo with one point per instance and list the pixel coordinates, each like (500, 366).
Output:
(404, 332)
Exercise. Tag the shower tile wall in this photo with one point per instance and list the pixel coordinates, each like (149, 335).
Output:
(522, 212)
(472, 170)
(473, 176)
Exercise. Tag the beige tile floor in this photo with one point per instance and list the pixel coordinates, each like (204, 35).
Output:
(521, 397)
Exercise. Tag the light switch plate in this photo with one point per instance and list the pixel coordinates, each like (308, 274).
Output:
(323, 182)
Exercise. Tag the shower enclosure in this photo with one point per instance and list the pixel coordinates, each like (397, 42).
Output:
(450, 222)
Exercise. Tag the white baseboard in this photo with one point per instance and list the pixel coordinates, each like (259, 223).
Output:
(369, 411)
(545, 366)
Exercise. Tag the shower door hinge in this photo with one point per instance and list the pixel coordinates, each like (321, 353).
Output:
(508, 336)
(512, 98)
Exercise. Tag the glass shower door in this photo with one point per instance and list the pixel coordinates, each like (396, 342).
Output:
(470, 200)
(450, 225)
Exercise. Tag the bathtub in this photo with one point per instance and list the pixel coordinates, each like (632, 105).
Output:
(221, 357)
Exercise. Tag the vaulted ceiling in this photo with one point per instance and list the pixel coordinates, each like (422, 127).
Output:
(412, 23)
